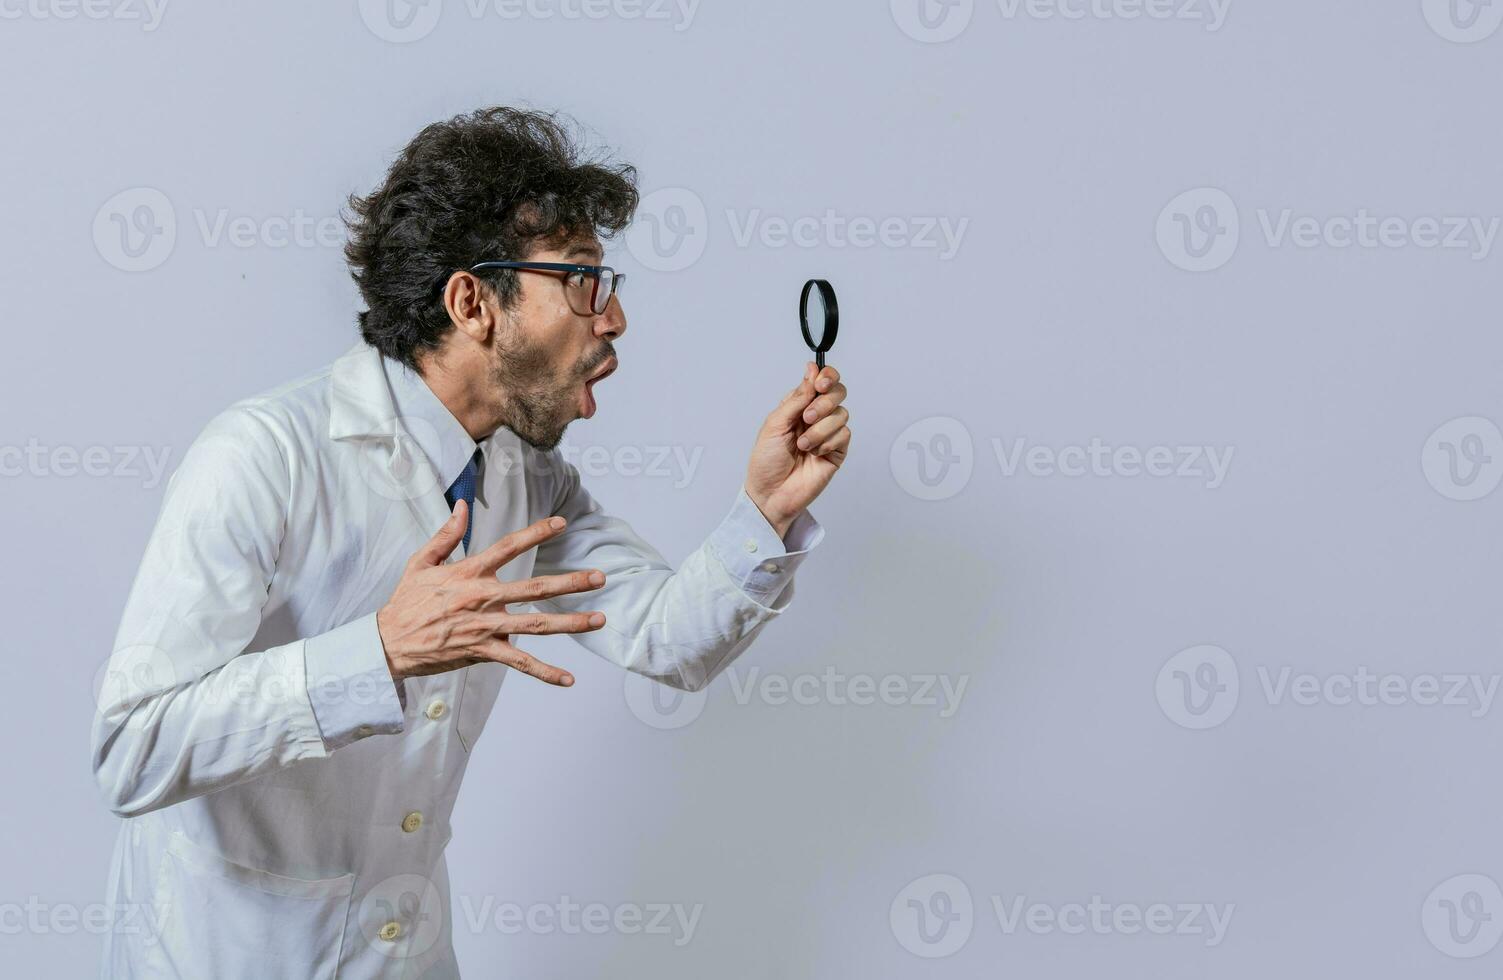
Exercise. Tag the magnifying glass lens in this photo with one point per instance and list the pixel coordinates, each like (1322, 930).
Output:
(819, 318)
(817, 315)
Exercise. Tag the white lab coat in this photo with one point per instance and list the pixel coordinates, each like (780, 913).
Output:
(287, 807)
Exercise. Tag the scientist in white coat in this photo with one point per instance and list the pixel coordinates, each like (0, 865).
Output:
(324, 612)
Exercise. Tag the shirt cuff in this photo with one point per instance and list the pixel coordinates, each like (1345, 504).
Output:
(350, 685)
(760, 562)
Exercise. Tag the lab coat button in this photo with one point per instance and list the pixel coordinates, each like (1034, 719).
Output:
(437, 709)
(390, 931)
(412, 822)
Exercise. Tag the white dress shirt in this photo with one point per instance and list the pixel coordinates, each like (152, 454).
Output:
(288, 805)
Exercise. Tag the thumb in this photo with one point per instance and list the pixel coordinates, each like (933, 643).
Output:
(446, 539)
(797, 400)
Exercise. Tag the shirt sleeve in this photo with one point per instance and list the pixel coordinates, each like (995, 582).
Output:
(681, 627)
(756, 558)
(185, 706)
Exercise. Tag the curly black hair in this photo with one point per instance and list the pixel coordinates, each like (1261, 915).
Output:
(492, 184)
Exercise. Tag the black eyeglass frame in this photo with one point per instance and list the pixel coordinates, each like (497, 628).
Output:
(597, 305)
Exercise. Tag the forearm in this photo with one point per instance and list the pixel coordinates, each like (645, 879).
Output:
(683, 627)
(161, 738)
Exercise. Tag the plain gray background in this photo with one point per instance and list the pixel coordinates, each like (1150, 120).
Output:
(1352, 534)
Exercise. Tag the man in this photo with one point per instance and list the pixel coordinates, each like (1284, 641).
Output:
(325, 610)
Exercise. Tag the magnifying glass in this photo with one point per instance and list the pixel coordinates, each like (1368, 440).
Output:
(818, 299)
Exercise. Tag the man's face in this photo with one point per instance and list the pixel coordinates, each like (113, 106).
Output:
(549, 355)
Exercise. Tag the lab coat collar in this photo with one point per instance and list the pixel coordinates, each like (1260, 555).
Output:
(374, 397)
(377, 397)
(360, 402)
(428, 420)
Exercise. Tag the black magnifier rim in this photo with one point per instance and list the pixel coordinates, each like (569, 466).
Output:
(832, 315)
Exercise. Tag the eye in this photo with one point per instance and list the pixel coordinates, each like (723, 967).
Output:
(575, 280)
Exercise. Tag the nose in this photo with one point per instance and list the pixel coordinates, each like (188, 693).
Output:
(612, 323)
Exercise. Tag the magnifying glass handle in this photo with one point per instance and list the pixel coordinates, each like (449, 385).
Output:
(819, 360)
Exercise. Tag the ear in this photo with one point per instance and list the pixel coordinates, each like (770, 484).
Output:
(472, 305)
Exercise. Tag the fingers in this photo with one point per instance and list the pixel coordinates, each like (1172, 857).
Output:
(825, 403)
(491, 559)
(446, 539)
(501, 652)
(835, 447)
(544, 587)
(821, 431)
(542, 624)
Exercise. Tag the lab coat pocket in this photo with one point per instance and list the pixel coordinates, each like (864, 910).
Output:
(477, 695)
(225, 920)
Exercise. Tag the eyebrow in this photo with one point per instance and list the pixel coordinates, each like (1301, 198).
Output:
(587, 250)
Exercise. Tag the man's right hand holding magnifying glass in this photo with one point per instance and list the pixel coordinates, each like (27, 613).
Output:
(801, 445)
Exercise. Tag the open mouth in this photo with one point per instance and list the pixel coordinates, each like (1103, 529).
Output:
(606, 370)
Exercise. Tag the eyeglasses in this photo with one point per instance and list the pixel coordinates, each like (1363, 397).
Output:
(587, 286)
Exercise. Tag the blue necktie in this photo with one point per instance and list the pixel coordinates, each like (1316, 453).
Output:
(464, 486)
